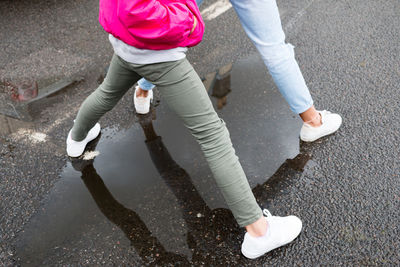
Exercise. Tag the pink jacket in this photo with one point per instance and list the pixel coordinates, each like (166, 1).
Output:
(152, 24)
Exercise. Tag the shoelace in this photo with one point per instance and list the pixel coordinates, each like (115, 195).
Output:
(267, 213)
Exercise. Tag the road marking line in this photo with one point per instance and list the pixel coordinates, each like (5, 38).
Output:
(292, 22)
(216, 9)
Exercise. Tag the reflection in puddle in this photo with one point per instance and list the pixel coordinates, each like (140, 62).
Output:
(222, 85)
(9, 125)
(281, 180)
(17, 98)
(212, 234)
(146, 245)
(23, 90)
(299, 162)
(208, 230)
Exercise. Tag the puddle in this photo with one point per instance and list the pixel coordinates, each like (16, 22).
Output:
(149, 196)
(9, 125)
(263, 129)
(222, 85)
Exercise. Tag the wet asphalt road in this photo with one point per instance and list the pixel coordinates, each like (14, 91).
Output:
(151, 178)
(348, 194)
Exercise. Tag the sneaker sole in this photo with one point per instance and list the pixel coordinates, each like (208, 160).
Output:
(305, 139)
(255, 256)
(252, 257)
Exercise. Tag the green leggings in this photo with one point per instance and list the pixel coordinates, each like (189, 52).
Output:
(183, 91)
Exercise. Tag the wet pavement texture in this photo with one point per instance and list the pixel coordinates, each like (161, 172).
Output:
(348, 194)
(155, 167)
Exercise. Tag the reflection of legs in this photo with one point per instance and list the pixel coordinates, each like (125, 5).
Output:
(118, 80)
(185, 94)
(201, 235)
(177, 179)
(129, 221)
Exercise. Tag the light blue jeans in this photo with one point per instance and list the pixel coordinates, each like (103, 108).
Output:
(261, 21)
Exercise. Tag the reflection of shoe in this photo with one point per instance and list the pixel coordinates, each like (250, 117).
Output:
(79, 163)
(75, 148)
(280, 231)
(330, 124)
(142, 104)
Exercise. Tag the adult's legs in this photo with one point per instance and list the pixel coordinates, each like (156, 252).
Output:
(145, 84)
(118, 80)
(261, 21)
(143, 88)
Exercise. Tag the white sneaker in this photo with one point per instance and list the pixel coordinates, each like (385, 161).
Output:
(330, 124)
(75, 148)
(142, 104)
(280, 231)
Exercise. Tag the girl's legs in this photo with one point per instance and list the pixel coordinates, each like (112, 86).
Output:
(118, 80)
(185, 94)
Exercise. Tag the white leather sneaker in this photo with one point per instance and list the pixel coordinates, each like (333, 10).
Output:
(330, 124)
(142, 104)
(75, 148)
(280, 231)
